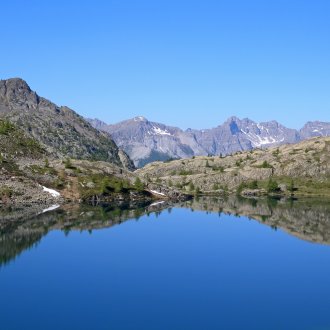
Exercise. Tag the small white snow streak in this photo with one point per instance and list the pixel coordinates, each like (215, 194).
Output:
(318, 131)
(157, 192)
(262, 128)
(157, 203)
(53, 192)
(51, 208)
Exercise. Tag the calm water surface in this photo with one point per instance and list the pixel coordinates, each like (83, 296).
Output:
(206, 264)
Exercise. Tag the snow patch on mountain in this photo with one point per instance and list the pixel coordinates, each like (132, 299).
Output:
(258, 141)
(160, 131)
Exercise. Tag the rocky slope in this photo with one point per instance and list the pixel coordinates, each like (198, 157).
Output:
(146, 141)
(60, 130)
(302, 168)
(29, 174)
(15, 184)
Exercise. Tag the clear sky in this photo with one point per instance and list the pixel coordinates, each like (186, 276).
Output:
(185, 63)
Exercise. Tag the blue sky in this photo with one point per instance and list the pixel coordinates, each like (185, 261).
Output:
(182, 62)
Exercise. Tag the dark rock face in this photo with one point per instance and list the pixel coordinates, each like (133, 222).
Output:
(61, 130)
(146, 141)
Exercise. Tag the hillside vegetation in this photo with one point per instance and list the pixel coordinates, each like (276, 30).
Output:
(295, 169)
(26, 167)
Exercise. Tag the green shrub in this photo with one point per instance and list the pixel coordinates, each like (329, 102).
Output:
(272, 186)
(291, 186)
(191, 186)
(247, 185)
(185, 172)
(276, 152)
(253, 184)
(6, 192)
(68, 164)
(218, 168)
(215, 186)
(6, 127)
(239, 162)
(265, 164)
(138, 184)
(241, 187)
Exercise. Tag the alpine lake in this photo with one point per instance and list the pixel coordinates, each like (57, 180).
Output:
(207, 263)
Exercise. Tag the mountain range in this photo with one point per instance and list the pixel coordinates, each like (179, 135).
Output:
(64, 133)
(49, 154)
(146, 141)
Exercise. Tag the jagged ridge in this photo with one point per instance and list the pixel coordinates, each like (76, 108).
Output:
(147, 141)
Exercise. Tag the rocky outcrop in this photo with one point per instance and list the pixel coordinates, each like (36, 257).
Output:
(125, 160)
(60, 130)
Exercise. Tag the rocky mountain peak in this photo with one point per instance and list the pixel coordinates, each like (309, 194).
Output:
(140, 119)
(98, 124)
(17, 84)
(315, 128)
(231, 120)
(17, 91)
(60, 130)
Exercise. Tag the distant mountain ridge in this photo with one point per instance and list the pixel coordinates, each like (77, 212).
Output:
(60, 130)
(145, 141)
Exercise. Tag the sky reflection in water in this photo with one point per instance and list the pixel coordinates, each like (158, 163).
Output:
(180, 269)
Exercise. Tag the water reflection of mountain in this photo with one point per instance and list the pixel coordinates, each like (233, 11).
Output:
(306, 218)
(21, 229)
